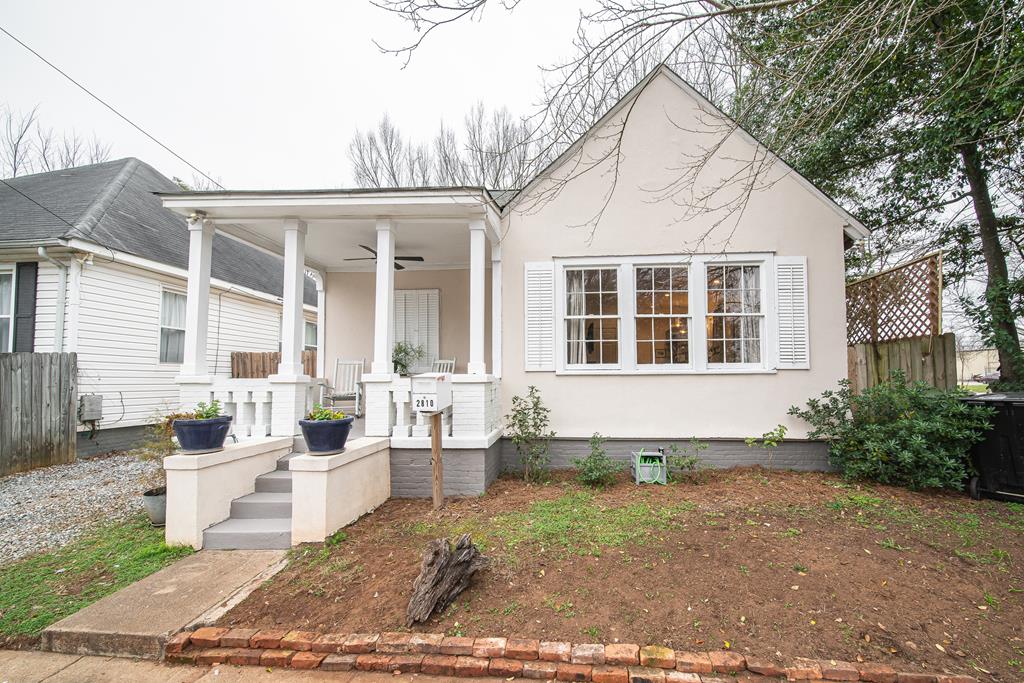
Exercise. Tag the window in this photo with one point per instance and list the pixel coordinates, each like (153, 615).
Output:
(172, 327)
(662, 315)
(6, 310)
(734, 319)
(309, 343)
(592, 316)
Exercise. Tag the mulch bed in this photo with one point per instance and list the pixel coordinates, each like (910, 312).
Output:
(773, 565)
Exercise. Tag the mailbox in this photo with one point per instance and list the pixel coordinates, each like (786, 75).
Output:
(431, 392)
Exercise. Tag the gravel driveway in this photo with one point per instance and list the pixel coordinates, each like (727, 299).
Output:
(48, 507)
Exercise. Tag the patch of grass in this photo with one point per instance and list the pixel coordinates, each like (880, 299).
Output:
(891, 544)
(44, 588)
(573, 523)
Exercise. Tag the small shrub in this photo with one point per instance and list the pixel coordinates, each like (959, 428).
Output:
(768, 441)
(909, 435)
(597, 469)
(685, 463)
(527, 427)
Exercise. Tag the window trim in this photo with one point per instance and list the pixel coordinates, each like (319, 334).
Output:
(161, 326)
(316, 345)
(618, 318)
(697, 264)
(12, 270)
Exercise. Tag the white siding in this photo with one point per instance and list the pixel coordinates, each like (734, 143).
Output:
(119, 339)
(47, 286)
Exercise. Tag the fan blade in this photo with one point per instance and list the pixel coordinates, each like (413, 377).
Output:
(409, 258)
(372, 251)
(363, 258)
(399, 266)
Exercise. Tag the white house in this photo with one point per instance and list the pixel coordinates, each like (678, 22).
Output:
(91, 262)
(637, 304)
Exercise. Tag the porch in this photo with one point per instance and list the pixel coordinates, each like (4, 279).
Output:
(352, 244)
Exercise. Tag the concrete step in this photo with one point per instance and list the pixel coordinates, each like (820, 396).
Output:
(278, 481)
(245, 534)
(282, 463)
(262, 505)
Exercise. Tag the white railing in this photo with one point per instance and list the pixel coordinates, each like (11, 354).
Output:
(249, 401)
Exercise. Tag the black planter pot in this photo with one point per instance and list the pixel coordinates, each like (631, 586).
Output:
(202, 436)
(326, 437)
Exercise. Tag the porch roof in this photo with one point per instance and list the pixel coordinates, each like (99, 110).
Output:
(429, 222)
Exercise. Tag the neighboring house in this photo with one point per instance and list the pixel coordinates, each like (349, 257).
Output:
(973, 363)
(91, 262)
(658, 324)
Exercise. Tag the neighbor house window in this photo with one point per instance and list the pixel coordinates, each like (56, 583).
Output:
(172, 327)
(735, 315)
(592, 316)
(309, 342)
(6, 310)
(662, 315)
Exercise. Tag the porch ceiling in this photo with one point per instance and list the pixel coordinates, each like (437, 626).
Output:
(428, 223)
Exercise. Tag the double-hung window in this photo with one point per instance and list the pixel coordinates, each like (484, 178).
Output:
(735, 318)
(592, 317)
(6, 309)
(172, 327)
(309, 339)
(662, 315)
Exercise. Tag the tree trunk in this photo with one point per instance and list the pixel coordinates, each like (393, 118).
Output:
(996, 295)
(444, 574)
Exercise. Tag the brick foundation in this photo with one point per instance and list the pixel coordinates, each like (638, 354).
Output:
(435, 654)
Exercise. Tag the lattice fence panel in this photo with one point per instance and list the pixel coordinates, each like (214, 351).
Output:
(899, 303)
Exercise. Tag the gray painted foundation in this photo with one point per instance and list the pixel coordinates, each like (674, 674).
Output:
(467, 472)
(807, 456)
(112, 439)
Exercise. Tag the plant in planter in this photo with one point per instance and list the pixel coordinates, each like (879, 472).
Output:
(404, 355)
(205, 432)
(325, 430)
(158, 445)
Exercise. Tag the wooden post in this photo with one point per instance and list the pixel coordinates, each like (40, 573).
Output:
(436, 466)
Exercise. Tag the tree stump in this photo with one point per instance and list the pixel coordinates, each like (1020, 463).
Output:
(445, 573)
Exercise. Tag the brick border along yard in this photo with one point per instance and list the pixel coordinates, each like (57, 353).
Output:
(437, 654)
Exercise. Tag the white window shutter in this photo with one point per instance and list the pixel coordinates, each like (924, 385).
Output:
(540, 316)
(417, 322)
(791, 304)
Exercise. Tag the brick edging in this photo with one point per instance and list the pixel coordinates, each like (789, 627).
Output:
(437, 654)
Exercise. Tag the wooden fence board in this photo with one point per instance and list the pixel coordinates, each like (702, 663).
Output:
(38, 394)
(927, 359)
(261, 364)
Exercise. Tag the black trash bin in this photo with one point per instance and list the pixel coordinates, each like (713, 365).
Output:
(999, 459)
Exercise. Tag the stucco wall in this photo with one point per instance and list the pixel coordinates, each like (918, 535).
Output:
(349, 313)
(665, 126)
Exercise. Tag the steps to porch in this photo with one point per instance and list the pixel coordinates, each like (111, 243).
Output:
(260, 520)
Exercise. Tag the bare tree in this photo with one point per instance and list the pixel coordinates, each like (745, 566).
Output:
(26, 146)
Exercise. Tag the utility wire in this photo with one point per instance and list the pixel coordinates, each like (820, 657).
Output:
(111, 108)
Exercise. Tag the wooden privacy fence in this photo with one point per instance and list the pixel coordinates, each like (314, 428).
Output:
(898, 303)
(261, 364)
(931, 359)
(38, 412)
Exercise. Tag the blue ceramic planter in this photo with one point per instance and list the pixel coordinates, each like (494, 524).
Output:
(202, 436)
(326, 437)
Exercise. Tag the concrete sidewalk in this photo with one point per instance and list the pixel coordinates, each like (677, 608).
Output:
(30, 666)
(137, 620)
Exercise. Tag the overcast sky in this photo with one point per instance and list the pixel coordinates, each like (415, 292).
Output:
(266, 94)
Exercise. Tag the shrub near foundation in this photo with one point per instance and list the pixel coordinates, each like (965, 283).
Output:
(911, 435)
(597, 469)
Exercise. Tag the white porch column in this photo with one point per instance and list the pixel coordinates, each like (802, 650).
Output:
(496, 310)
(290, 385)
(384, 306)
(477, 310)
(197, 304)
(321, 325)
(292, 323)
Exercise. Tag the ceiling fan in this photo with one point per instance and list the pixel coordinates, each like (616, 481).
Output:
(398, 266)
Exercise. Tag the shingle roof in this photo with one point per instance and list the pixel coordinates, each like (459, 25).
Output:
(113, 204)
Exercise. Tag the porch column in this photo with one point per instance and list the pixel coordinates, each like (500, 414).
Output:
(496, 310)
(477, 311)
(384, 302)
(321, 324)
(290, 386)
(197, 303)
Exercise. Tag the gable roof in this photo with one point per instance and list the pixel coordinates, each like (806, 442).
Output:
(853, 228)
(114, 205)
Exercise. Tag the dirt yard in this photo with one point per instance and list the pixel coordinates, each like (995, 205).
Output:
(777, 565)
